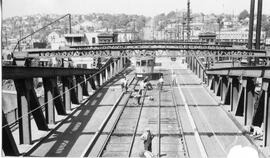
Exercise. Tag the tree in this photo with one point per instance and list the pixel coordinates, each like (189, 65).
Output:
(244, 14)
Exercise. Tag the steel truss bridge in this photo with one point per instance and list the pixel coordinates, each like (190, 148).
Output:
(234, 85)
(144, 49)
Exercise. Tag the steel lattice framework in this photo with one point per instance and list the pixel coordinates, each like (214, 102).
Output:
(140, 50)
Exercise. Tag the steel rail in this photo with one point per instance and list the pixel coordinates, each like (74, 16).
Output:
(115, 124)
(181, 129)
(136, 127)
(91, 144)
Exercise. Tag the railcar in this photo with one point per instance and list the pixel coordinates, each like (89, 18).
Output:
(144, 66)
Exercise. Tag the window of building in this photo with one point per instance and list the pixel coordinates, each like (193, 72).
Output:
(143, 63)
(93, 40)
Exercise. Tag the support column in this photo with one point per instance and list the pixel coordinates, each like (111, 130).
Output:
(101, 78)
(106, 74)
(66, 93)
(115, 67)
(79, 88)
(111, 70)
(8, 143)
(249, 100)
(91, 81)
(224, 89)
(23, 97)
(73, 90)
(266, 89)
(53, 95)
(235, 86)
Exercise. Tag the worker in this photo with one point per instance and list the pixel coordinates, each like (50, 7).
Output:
(147, 140)
(124, 83)
(147, 84)
(173, 79)
(160, 82)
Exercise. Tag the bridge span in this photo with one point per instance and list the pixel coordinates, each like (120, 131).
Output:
(186, 119)
(84, 112)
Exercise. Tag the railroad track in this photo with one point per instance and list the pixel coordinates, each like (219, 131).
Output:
(113, 128)
(169, 119)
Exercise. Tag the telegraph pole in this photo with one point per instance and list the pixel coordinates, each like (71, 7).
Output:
(259, 24)
(188, 20)
(250, 31)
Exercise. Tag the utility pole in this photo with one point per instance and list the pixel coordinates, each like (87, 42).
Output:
(188, 20)
(259, 24)
(250, 31)
(251, 23)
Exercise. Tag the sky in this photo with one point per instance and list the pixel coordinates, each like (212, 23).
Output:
(140, 7)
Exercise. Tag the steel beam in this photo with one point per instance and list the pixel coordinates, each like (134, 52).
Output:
(23, 98)
(8, 143)
(18, 72)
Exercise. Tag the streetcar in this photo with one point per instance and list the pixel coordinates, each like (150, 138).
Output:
(144, 66)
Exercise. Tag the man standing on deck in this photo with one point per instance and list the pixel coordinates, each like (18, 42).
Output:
(160, 82)
(147, 140)
(173, 79)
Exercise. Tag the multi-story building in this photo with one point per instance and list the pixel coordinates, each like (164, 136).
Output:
(237, 37)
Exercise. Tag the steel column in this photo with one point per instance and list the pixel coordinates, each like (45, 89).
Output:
(266, 89)
(66, 93)
(8, 143)
(111, 70)
(115, 67)
(48, 99)
(23, 108)
(73, 90)
(106, 74)
(234, 91)
(224, 89)
(79, 88)
(249, 100)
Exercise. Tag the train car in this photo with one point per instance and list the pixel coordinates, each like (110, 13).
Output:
(144, 66)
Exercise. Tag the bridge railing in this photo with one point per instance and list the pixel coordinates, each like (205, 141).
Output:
(75, 83)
